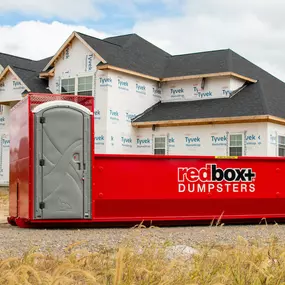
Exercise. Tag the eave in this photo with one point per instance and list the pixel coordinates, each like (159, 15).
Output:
(175, 78)
(218, 74)
(47, 74)
(127, 71)
(211, 121)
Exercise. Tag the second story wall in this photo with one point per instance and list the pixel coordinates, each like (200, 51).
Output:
(193, 89)
(76, 73)
(75, 61)
(128, 96)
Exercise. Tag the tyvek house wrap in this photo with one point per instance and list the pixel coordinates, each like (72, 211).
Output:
(4, 145)
(128, 96)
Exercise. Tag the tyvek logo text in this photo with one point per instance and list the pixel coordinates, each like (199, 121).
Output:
(219, 140)
(176, 92)
(5, 142)
(114, 115)
(106, 81)
(201, 93)
(143, 142)
(171, 142)
(130, 116)
(99, 140)
(192, 141)
(156, 92)
(141, 89)
(97, 114)
(126, 141)
(17, 85)
(123, 85)
(253, 139)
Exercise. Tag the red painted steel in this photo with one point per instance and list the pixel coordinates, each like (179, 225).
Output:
(19, 160)
(170, 187)
(152, 188)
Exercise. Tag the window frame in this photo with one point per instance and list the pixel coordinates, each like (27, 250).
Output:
(242, 143)
(160, 148)
(68, 93)
(278, 144)
(76, 84)
(92, 84)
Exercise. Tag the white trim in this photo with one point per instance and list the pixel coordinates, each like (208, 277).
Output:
(165, 144)
(57, 103)
(60, 87)
(76, 77)
(277, 143)
(83, 76)
(242, 142)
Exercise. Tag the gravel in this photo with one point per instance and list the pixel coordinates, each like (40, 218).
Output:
(15, 241)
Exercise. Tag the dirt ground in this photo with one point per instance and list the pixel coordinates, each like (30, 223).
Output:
(4, 199)
(15, 241)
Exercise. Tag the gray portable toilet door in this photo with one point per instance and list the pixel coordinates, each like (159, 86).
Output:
(62, 171)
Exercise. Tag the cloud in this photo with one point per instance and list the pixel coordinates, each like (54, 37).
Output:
(37, 40)
(254, 29)
(60, 9)
(81, 10)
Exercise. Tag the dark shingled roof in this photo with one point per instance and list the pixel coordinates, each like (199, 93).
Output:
(130, 52)
(198, 63)
(12, 60)
(247, 102)
(32, 80)
(137, 54)
(266, 97)
(28, 70)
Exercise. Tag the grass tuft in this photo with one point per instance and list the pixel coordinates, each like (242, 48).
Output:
(243, 263)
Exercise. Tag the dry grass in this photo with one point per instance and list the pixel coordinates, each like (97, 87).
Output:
(149, 264)
(4, 201)
(252, 264)
(4, 195)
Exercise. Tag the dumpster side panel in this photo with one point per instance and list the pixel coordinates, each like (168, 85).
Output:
(177, 187)
(19, 160)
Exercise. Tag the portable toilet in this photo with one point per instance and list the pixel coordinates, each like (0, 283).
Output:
(52, 145)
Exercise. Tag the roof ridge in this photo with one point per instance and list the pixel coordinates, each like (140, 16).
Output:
(208, 51)
(43, 59)
(135, 34)
(121, 36)
(103, 40)
(25, 58)
(263, 99)
(168, 54)
(26, 69)
(257, 66)
(230, 60)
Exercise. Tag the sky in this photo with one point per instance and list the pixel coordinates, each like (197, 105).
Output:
(254, 29)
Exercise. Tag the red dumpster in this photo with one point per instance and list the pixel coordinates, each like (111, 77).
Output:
(55, 178)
